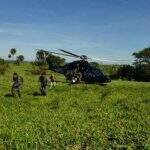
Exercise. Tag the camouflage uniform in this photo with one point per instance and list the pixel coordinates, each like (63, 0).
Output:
(52, 81)
(77, 75)
(17, 84)
(44, 83)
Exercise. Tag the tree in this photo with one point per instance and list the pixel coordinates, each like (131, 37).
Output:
(20, 58)
(126, 72)
(13, 51)
(3, 66)
(2, 61)
(55, 61)
(142, 56)
(44, 57)
(142, 73)
(95, 65)
(142, 65)
(9, 56)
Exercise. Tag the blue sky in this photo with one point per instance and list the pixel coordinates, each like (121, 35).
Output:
(111, 29)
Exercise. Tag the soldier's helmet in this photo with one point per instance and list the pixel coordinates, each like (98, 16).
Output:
(43, 73)
(15, 74)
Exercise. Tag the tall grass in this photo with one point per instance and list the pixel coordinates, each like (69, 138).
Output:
(115, 116)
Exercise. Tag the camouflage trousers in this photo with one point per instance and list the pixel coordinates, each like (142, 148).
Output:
(43, 89)
(15, 90)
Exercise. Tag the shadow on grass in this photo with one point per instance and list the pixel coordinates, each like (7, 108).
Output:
(36, 94)
(8, 95)
(54, 104)
(102, 84)
(146, 101)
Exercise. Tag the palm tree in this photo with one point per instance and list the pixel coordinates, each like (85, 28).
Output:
(13, 51)
(9, 56)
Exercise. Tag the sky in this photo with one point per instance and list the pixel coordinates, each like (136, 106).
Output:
(105, 29)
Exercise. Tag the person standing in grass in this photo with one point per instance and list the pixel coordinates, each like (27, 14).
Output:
(43, 83)
(52, 81)
(17, 84)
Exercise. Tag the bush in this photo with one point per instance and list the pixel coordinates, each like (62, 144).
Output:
(108, 69)
(37, 70)
(142, 73)
(3, 66)
(126, 72)
(138, 73)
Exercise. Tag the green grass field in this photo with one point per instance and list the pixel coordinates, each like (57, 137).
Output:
(90, 117)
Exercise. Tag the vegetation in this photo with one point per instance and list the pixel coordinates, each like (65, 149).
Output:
(143, 56)
(139, 71)
(20, 59)
(3, 66)
(44, 57)
(110, 70)
(115, 116)
(76, 117)
(12, 53)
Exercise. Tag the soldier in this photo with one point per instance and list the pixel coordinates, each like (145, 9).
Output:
(43, 83)
(73, 80)
(52, 80)
(17, 84)
(77, 75)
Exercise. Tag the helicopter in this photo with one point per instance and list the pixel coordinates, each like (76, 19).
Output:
(80, 70)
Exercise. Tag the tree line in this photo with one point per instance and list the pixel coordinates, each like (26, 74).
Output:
(139, 70)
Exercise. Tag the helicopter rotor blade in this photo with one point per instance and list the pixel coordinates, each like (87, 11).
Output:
(113, 61)
(77, 56)
(62, 54)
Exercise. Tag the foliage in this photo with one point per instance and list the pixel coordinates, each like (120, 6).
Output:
(108, 69)
(126, 72)
(44, 57)
(37, 70)
(111, 70)
(38, 67)
(92, 117)
(139, 72)
(142, 57)
(20, 59)
(142, 72)
(142, 65)
(2, 61)
(13, 51)
(9, 56)
(54, 61)
(41, 55)
(3, 66)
